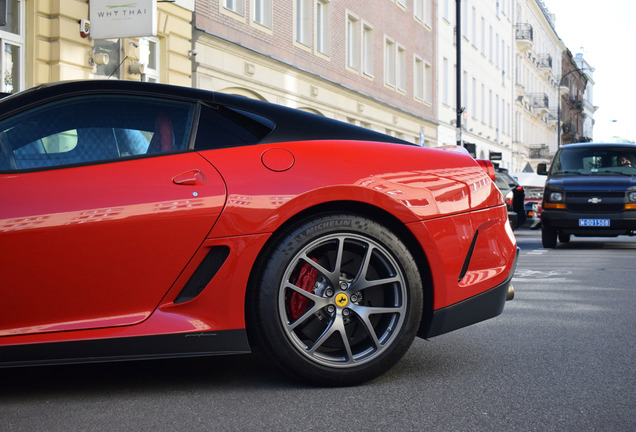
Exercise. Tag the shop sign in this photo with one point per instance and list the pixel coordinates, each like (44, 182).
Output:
(122, 18)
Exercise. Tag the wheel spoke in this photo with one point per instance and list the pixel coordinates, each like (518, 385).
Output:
(365, 317)
(315, 265)
(363, 283)
(311, 296)
(347, 346)
(364, 268)
(326, 334)
(318, 303)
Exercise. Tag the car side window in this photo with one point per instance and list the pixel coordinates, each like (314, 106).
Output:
(222, 127)
(88, 129)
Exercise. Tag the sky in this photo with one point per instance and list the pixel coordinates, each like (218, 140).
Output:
(604, 32)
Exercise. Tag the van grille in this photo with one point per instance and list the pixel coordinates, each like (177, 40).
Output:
(595, 202)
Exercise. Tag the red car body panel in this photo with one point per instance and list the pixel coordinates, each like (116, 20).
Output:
(121, 229)
(103, 251)
(111, 214)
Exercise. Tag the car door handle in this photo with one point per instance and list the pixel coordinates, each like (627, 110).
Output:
(190, 178)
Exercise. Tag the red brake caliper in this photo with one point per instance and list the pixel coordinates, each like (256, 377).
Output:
(306, 280)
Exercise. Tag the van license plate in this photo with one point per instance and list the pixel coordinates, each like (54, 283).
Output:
(594, 222)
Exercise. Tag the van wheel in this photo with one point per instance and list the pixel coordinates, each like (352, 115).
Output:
(548, 237)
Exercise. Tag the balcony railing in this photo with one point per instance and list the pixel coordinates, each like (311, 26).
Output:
(545, 61)
(540, 100)
(539, 152)
(524, 32)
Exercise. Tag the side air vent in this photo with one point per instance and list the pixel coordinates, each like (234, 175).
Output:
(204, 273)
(469, 255)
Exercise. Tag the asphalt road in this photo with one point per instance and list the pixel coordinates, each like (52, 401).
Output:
(560, 358)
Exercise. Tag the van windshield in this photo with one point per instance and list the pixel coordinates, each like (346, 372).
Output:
(619, 160)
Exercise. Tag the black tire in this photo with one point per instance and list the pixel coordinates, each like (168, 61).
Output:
(548, 237)
(379, 314)
(563, 237)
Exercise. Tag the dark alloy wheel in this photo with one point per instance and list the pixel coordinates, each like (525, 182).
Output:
(339, 300)
(548, 237)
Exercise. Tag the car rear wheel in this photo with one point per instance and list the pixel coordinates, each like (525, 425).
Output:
(548, 237)
(338, 301)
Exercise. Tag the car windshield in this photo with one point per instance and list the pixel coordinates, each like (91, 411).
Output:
(619, 160)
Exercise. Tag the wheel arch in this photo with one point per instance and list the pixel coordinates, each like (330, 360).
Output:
(355, 208)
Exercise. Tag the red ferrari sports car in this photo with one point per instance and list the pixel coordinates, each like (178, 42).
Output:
(148, 221)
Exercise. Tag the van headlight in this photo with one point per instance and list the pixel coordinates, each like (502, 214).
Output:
(556, 196)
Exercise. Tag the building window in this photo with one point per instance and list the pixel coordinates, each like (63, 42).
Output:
(149, 56)
(497, 63)
(474, 104)
(490, 44)
(12, 48)
(353, 42)
(446, 9)
(483, 36)
(389, 62)
(303, 22)
(445, 81)
(428, 83)
(323, 27)
(473, 29)
(418, 79)
(400, 68)
(422, 11)
(367, 50)
(465, 19)
(465, 87)
(422, 85)
(483, 104)
(262, 12)
(490, 108)
(236, 6)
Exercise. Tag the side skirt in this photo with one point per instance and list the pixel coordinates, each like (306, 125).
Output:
(129, 348)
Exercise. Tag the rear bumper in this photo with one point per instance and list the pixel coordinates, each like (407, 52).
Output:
(478, 308)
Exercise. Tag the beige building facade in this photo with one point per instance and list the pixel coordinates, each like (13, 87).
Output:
(42, 42)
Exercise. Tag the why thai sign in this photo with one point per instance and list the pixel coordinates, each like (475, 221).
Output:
(122, 18)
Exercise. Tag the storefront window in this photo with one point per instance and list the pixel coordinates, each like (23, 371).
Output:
(12, 24)
(11, 68)
(149, 55)
(11, 52)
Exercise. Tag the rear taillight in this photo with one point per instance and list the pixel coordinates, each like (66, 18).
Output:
(488, 168)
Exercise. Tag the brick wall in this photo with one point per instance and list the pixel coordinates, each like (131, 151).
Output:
(385, 17)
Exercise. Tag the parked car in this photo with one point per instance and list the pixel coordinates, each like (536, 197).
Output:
(149, 221)
(514, 196)
(533, 185)
(590, 192)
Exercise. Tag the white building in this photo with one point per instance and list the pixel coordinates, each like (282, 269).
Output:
(588, 97)
(486, 78)
(537, 66)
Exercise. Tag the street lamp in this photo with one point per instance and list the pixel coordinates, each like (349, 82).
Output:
(559, 100)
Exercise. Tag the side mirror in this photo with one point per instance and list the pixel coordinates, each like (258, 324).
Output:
(542, 169)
